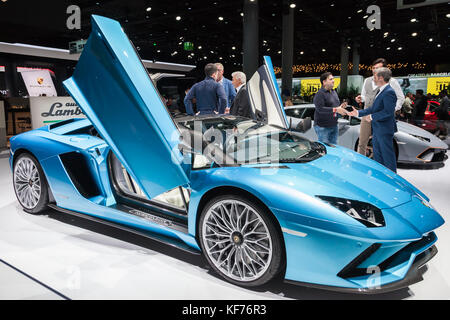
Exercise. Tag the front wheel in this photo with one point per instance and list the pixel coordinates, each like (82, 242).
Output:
(240, 241)
(30, 184)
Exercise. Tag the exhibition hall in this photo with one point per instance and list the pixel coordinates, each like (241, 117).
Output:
(244, 151)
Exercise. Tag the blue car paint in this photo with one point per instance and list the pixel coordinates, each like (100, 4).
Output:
(269, 67)
(319, 239)
(110, 84)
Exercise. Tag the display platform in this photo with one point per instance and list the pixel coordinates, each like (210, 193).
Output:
(55, 256)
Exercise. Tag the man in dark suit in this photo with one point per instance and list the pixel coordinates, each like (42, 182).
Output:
(241, 103)
(382, 114)
(209, 95)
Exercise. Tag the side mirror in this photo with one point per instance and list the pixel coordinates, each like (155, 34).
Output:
(304, 125)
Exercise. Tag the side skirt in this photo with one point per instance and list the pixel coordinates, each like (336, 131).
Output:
(156, 237)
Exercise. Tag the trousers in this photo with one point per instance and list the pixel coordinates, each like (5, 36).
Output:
(383, 150)
(364, 135)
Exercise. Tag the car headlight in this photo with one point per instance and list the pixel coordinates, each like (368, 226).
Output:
(421, 138)
(364, 212)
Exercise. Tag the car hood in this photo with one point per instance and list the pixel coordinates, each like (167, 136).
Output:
(414, 130)
(346, 174)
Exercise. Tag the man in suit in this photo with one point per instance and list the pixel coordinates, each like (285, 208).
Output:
(227, 86)
(241, 103)
(367, 96)
(208, 94)
(382, 116)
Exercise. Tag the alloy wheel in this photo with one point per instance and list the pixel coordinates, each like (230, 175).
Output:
(237, 240)
(27, 183)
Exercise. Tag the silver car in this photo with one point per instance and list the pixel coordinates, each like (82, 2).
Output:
(413, 145)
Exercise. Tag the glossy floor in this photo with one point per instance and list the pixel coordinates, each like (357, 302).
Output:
(54, 256)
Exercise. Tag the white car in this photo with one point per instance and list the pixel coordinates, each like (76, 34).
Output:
(413, 145)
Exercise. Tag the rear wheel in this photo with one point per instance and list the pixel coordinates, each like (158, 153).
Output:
(240, 241)
(30, 184)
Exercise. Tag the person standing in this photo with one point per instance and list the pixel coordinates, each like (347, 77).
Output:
(326, 103)
(442, 113)
(420, 106)
(241, 103)
(227, 85)
(382, 116)
(408, 107)
(368, 96)
(209, 95)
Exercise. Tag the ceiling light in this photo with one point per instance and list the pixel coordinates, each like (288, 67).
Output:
(148, 9)
(292, 5)
(359, 11)
(323, 50)
(448, 15)
(413, 20)
(221, 18)
(301, 52)
(242, 14)
(438, 45)
(414, 34)
(392, 40)
(178, 18)
(399, 48)
(388, 48)
(234, 48)
(279, 52)
(431, 39)
(199, 47)
(386, 34)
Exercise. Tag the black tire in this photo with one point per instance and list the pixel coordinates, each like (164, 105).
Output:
(41, 202)
(277, 260)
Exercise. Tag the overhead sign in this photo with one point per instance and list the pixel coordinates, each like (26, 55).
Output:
(405, 4)
(76, 46)
(311, 86)
(39, 83)
(437, 84)
(48, 110)
(188, 46)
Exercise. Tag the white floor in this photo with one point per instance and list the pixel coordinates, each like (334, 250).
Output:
(56, 257)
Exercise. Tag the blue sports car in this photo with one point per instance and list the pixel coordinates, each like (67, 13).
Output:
(258, 199)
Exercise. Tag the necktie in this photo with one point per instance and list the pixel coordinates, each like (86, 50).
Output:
(377, 92)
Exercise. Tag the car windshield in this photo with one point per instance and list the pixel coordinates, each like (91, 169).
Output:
(246, 141)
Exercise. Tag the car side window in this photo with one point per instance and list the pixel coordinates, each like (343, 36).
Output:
(309, 112)
(294, 112)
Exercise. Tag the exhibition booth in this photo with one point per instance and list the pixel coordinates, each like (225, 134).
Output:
(109, 190)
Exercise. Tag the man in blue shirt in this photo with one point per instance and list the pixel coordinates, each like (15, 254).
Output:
(209, 95)
(230, 91)
(327, 106)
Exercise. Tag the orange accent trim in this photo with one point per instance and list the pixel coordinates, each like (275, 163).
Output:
(417, 157)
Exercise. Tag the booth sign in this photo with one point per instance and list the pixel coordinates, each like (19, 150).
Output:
(48, 110)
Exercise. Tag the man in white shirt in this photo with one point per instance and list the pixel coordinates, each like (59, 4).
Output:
(367, 96)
